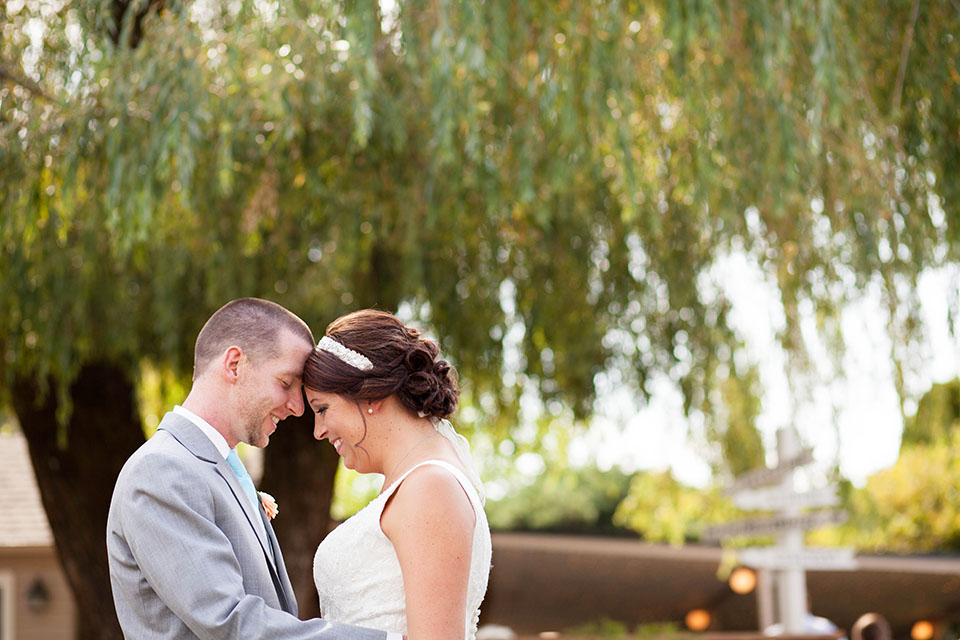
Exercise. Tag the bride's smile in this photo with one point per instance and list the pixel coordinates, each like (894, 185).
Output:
(340, 421)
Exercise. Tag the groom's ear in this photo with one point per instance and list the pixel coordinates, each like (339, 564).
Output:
(230, 363)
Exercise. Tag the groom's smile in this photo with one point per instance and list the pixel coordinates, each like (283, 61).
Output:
(270, 390)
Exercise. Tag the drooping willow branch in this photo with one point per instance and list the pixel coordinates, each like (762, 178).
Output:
(9, 75)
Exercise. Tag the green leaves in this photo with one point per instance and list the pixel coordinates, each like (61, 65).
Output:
(563, 499)
(596, 158)
(663, 510)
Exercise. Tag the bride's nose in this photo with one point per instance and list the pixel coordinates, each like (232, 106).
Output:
(319, 429)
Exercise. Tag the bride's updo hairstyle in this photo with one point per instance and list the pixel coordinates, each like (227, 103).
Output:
(400, 362)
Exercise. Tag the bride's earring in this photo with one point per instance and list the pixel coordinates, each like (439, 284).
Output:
(369, 410)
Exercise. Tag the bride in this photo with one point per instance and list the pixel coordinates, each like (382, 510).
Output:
(416, 559)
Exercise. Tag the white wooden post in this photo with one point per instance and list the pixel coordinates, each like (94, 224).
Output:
(792, 581)
(765, 616)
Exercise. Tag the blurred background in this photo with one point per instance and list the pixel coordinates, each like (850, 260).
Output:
(650, 235)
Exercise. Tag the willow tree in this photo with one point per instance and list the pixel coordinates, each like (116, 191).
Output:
(565, 171)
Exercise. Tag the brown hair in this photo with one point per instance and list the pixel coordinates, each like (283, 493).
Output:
(404, 364)
(252, 324)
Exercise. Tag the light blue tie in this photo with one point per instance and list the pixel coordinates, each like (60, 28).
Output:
(245, 480)
(247, 483)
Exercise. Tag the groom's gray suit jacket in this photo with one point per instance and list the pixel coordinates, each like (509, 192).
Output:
(186, 557)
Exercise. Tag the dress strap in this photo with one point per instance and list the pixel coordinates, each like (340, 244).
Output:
(464, 481)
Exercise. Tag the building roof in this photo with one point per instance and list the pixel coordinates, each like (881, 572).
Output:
(579, 579)
(23, 522)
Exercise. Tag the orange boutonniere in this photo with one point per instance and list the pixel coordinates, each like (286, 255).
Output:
(269, 504)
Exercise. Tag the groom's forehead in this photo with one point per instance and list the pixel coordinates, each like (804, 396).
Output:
(284, 364)
(290, 370)
(291, 352)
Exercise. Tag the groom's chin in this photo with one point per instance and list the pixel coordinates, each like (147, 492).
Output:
(259, 440)
(263, 435)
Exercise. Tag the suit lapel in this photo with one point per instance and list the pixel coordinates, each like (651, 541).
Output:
(252, 513)
(285, 589)
(190, 436)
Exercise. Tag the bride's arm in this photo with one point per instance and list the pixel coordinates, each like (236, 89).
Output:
(430, 522)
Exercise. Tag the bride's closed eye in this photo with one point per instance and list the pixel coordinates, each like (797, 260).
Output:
(320, 410)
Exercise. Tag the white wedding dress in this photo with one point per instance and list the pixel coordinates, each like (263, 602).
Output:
(358, 575)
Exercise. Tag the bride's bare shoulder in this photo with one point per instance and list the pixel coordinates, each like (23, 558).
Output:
(430, 496)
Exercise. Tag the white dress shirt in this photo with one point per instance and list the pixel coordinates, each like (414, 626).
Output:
(215, 437)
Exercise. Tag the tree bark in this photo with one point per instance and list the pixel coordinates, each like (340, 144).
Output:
(299, 472)
(119, 9)
(76, 474)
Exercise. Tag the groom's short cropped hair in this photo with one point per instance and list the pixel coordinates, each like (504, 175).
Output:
(252, 324)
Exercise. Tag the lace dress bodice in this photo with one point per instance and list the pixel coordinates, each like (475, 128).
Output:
(357, 572)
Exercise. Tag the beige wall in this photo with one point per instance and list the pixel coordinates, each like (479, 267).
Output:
(27, 565)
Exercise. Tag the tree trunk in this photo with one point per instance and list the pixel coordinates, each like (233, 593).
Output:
(299, 471)
(119, 9)
(76, 479)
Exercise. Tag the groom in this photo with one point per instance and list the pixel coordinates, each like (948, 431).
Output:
(192, 553)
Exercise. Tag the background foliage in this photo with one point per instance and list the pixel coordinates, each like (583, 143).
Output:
(548, 185)
(595, 158)
(911, 506)
(563, 500)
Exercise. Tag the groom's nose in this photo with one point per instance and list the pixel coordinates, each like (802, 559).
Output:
(295, 401)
